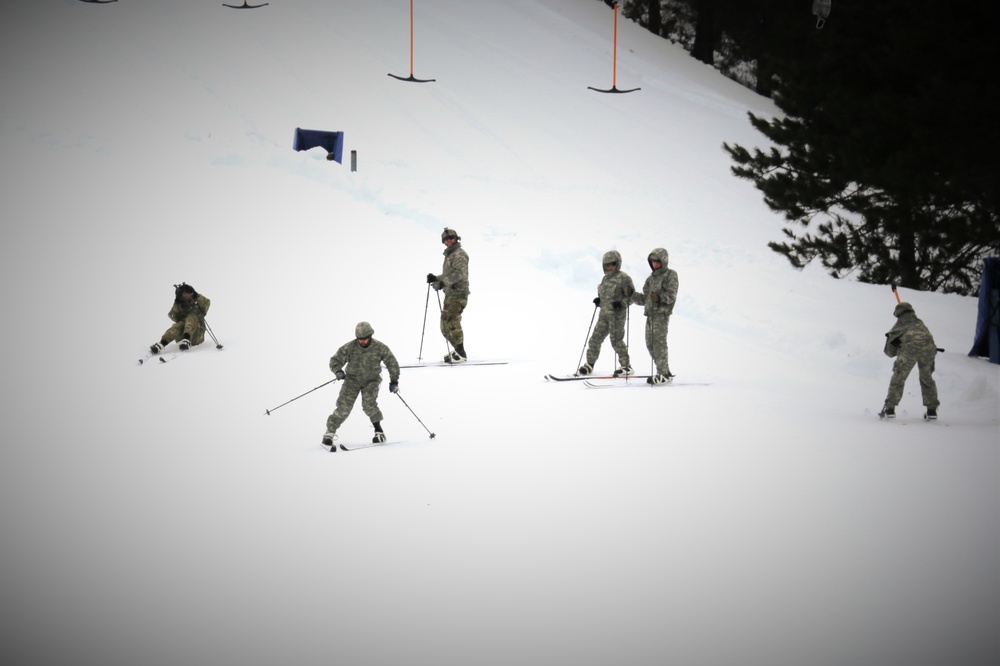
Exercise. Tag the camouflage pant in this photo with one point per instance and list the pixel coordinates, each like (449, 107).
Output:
(656, 342)
(907, 358)
(451, 319)
(613, 325)
(192, 325)
(349, 395)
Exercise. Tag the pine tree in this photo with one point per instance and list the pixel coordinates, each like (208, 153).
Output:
(884, 158)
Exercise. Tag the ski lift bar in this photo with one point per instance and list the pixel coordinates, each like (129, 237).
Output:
(411, 78)
(614, 67)
(821, 10)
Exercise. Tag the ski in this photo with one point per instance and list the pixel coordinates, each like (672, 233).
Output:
(443, 364)
(356, 447)
(169, 357)
(580, 378)
(617, 383)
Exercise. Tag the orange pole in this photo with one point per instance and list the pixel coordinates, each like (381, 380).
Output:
(614, 58)
(411, 37)
(896, 292)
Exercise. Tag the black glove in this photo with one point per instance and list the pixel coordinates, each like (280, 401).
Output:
(431, 278)
(597, 301)
(616, 306)
(897, 342)
(393, 387)
(340, 374)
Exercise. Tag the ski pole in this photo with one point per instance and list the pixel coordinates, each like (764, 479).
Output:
(628, 327)
(268, 411)
(898, 301)
(586, 339)
(209, 328)
(423, 331)
(415, 415)
(447, 345)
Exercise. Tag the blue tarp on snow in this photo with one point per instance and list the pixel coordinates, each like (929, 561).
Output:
(987, 342)
(332, 141)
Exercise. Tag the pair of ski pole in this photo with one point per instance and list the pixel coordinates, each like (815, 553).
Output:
(268, 411)
(900, 300)
(423, 331)
(579, 361)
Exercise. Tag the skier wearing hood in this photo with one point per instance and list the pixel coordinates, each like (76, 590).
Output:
(659, 293)
(454, 280)
(188, 314)
(910, 343)
(614, 294)
(363, 358)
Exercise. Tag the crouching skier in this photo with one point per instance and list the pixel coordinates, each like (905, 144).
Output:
(358, 363)
(188, 314)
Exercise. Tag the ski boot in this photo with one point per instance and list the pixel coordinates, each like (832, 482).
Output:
(329, 442)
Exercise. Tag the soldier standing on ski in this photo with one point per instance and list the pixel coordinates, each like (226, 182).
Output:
(188, 314)
(454, 280)
(910, 343)
(363, 358)
(614, 294)
(659, 293)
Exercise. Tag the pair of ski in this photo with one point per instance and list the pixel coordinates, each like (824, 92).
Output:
(903, 418)
(163, 358)
(618, 381)
(355, 447)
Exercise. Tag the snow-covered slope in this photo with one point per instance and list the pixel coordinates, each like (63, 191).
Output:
(154, 514)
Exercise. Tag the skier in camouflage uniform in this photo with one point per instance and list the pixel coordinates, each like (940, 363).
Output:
(659, 293)
(363, 358)
(188, 314)
(454, 280)
(614, 294)
(910, 343)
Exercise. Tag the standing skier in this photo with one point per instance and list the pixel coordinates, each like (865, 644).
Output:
(614, 294)
(454, 280)
(659, 293)
(910, 343)
(363, 358)
(188, 314)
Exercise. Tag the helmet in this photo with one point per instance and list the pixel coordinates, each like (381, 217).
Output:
(449, 233)
(363, 330)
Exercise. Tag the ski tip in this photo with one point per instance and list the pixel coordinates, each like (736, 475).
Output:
(433, 435)
(163, 360)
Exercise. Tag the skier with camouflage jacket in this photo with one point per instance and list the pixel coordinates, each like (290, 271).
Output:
(614, 294)
(188, 314)
(454, 281)
(659, 293)
(358, 363)
(910, 343)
